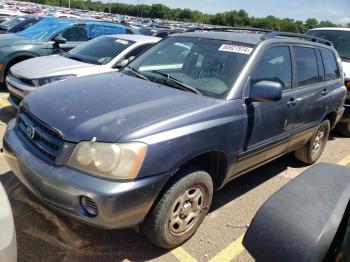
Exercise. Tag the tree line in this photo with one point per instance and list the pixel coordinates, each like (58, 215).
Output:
(231, 18)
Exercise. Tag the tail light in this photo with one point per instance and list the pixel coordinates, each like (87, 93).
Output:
(347, 84)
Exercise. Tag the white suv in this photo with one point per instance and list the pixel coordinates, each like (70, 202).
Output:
(340, 37)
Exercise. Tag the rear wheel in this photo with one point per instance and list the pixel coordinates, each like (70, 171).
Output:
(180, 210)
(344, 129)
(314, 148)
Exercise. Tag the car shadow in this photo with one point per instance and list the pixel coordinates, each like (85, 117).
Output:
(335, 133)
(7, 113)
(253, 179)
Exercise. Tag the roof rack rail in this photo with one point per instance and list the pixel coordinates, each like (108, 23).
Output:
(230, 29)
(268, 34)
(274, 34)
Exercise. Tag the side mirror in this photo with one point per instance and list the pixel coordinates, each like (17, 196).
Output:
(266, 91)
(58, 39)
(123, 63)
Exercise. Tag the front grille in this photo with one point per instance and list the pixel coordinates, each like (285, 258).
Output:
(41, 140)
(22, 80)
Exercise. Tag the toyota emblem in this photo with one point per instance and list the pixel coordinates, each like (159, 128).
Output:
(30, 132)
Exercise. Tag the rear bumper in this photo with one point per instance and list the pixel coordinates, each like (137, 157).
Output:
(340, 114)
(120, 204)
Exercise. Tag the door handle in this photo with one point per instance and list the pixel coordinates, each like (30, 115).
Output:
(324, 92)
(291, 102)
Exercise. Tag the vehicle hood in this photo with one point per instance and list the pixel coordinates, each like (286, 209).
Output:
(12, 39)
(346, 68)
(108, 106)
(48, 66)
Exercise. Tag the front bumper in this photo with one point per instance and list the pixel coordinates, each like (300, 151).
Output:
(17, 90)
(120, 204)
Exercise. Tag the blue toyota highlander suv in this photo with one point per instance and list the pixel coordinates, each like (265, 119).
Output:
(148, 146)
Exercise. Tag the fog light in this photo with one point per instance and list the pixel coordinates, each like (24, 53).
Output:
(89, 206)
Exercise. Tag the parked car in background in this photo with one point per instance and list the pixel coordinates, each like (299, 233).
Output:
(148, 146)
(100, 55)
(50, 36)
(18, 24)
(306, 220)
(166, 32)
(8, 244)
(340, 37)
(138, 30)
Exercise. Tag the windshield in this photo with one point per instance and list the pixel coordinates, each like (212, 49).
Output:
(12, 22)
(210, 66)
(339, 38)
(45, 29)
(99, 51)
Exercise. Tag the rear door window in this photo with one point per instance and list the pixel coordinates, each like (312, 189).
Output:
(275, 66)
(306, 62)
(330, 65)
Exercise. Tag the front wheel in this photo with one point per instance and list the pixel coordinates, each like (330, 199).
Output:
(180, 210)
(314, 148)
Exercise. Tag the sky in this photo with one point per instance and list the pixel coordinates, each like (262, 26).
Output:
(337, 11)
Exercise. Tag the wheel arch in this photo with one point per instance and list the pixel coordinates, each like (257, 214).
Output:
(332, 117)
(214, 162)
(16, 59)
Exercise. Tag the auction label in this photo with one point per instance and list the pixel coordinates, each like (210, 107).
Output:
(236, 49)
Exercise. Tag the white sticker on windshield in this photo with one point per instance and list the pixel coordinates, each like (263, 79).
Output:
(121, 41)
(236, 49)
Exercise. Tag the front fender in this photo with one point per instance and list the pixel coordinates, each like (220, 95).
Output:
(170, 149)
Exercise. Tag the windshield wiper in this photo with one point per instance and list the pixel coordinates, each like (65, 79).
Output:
(137, 73)
(181, 85)
(344, 58)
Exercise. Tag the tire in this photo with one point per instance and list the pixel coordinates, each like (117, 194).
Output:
(344, 129)
(312, 151)
(168, 231)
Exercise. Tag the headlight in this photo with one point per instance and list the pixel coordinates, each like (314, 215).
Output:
(118, 161)
(46, 80)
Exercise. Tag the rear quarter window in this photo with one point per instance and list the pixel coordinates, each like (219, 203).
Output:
(306, 62)
(330, 65)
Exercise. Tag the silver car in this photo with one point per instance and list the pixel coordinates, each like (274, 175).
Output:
(8, 244)
(100, 55)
